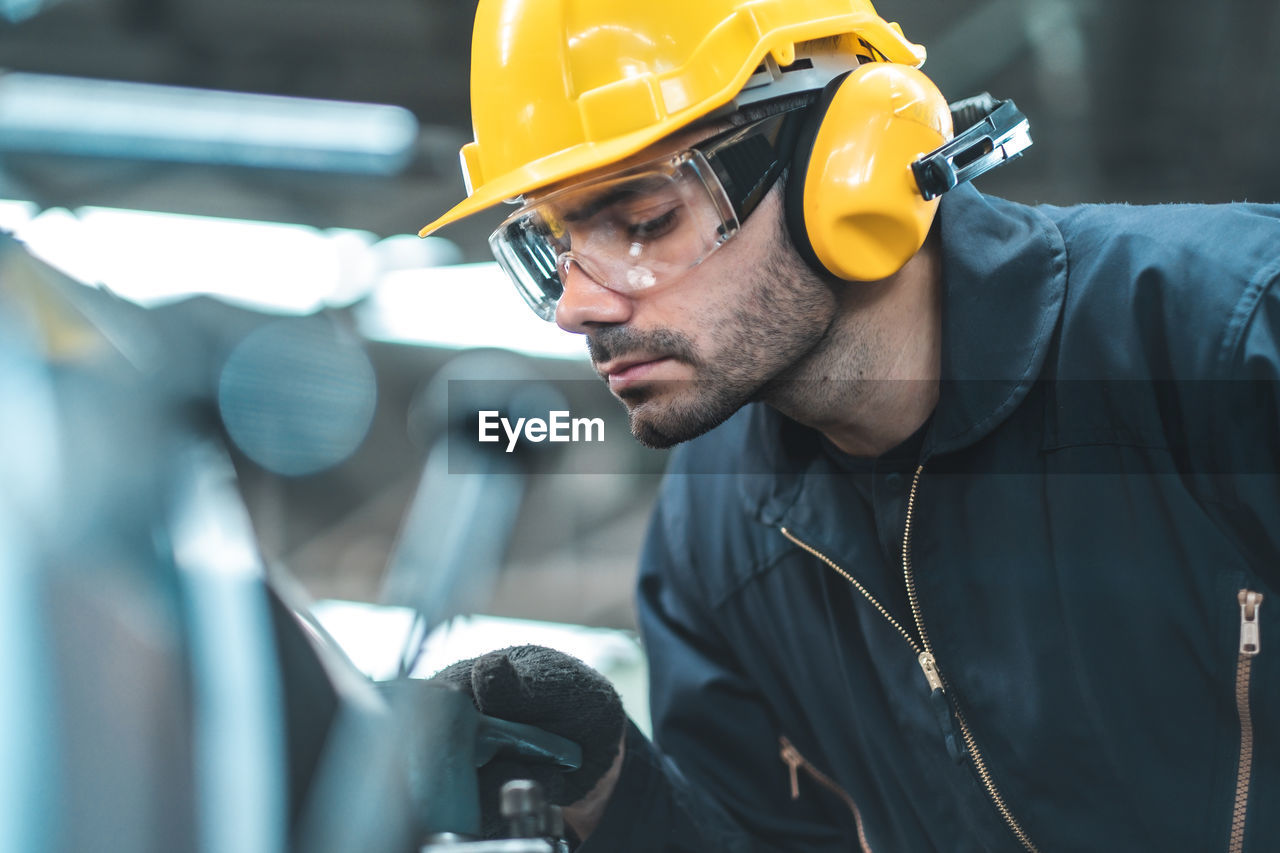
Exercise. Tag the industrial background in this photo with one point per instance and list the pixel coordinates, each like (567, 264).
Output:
(1129, 101)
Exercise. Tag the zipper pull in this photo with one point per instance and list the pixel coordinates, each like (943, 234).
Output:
(1250, 601)
(793, 761)
(956, 746)
(930, 668)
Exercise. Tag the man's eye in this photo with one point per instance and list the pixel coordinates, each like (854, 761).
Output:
(656, 227)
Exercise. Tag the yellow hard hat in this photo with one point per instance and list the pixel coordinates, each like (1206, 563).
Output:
(562, 87)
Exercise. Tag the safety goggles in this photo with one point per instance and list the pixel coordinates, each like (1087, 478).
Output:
(648, 225)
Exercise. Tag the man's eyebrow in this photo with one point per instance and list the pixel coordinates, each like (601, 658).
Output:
(612, 196)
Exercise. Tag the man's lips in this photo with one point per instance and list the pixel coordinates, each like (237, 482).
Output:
(627, 372)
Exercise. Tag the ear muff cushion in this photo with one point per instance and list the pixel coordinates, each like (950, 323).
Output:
(799, 172)
(853, 207)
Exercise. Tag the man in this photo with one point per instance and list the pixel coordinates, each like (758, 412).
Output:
(967, 544)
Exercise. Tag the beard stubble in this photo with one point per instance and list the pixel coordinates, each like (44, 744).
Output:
(784, 312)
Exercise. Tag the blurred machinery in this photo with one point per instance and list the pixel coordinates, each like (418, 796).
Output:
(163, 688)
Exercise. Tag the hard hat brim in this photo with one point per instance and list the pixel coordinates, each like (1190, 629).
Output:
(551, 170)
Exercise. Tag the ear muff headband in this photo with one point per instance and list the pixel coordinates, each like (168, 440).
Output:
(853, 204)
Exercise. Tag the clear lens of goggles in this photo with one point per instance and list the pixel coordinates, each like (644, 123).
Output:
(639, 229)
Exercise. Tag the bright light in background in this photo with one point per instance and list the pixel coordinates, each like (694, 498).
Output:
(406, 290)
(153, 258)
(108, 118)
(146, 257)
(15, 214)
(463, 306)
(59, 239)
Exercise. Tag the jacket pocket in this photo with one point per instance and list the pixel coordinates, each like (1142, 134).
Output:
(798, 765)
(1250, 646)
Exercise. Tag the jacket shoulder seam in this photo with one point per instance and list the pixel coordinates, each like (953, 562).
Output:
(1242, 314)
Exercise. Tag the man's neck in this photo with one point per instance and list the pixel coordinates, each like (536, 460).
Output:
(873, 380)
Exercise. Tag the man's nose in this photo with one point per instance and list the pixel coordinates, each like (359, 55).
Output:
(585, 303)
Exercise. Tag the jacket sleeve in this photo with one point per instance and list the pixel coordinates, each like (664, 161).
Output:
(713, 780)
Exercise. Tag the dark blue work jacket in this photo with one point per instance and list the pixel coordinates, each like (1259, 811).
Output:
(1078, 648)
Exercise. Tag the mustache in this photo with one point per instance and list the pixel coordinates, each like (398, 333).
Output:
(619, 341)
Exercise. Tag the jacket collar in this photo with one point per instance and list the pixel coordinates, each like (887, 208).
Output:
(1004, 274)
(1004, 279)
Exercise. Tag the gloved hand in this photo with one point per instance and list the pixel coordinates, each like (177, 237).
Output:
(553, 691)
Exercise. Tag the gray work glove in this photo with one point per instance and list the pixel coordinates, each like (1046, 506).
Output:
(553, 691)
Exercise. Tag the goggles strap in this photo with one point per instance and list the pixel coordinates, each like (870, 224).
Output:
(748, 167)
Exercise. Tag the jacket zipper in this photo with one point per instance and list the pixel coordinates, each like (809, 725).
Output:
(925, 656)
(1250, 602)
(795, 761)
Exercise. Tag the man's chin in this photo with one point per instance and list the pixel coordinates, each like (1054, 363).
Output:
(652, 437)
(660, 424)
(645, 418)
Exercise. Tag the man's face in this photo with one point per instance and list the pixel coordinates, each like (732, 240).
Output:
(685, 356)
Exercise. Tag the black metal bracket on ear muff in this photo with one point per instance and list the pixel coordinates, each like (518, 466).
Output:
(1002, 135)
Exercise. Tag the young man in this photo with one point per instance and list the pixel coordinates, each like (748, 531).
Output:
(967, 540)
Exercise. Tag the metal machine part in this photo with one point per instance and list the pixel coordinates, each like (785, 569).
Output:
(533, 826)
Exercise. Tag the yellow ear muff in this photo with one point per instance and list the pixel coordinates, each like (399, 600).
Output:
(853, 205)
